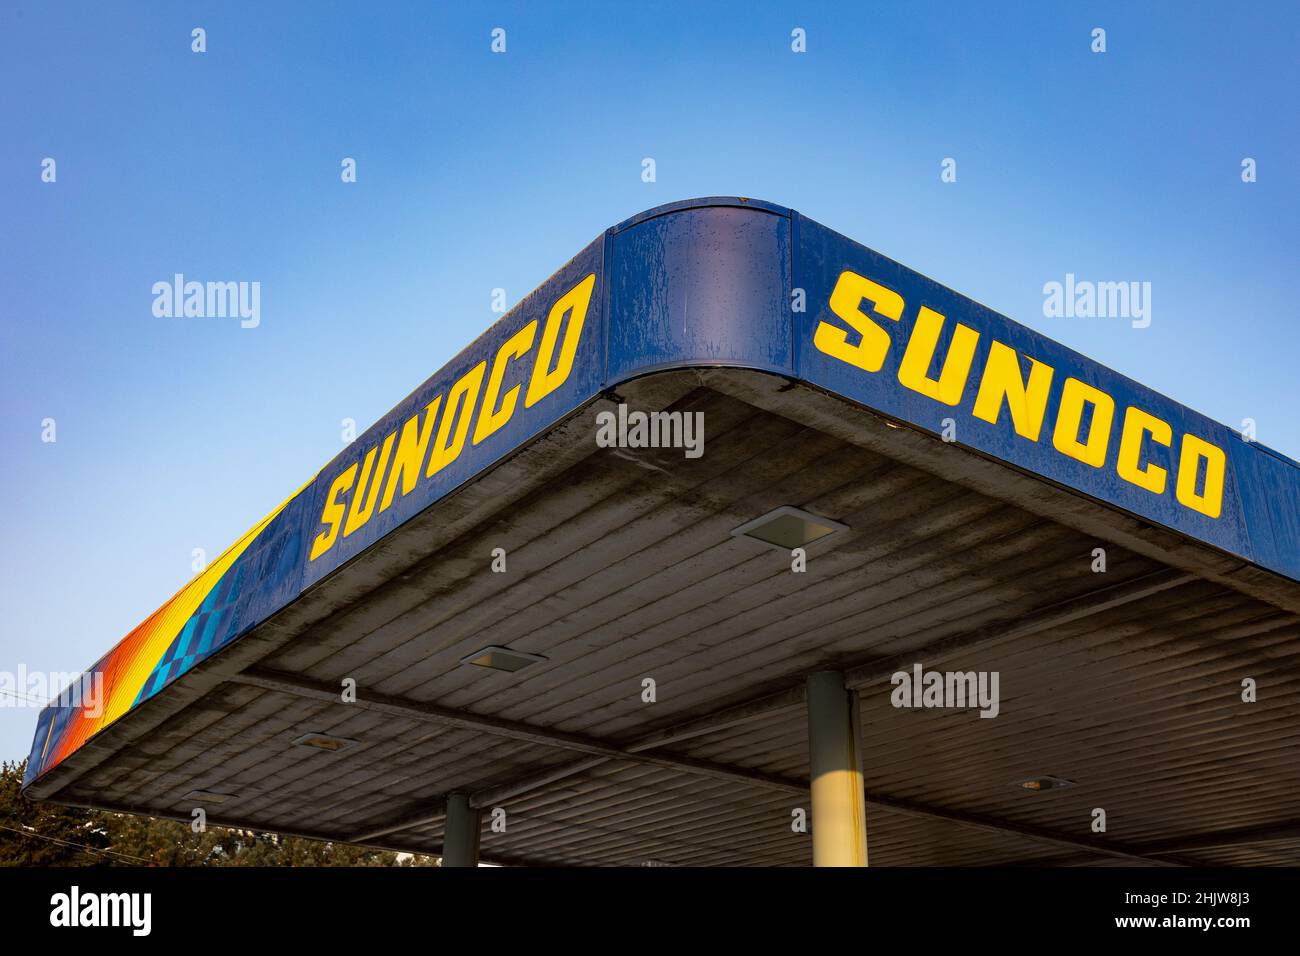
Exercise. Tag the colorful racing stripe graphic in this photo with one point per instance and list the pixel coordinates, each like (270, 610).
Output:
(507, 386)
(706, 284)
(184, 631)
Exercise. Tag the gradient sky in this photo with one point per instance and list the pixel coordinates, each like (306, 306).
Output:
(478, 171)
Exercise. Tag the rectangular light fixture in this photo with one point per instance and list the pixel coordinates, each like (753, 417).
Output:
(788, 528)
(502, 659)
(206, 796)
(1045, 782)
(326, 742)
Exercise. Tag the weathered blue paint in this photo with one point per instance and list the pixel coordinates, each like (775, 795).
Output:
(821, 257)
(695, 286)
(586, 380)
(712, 282)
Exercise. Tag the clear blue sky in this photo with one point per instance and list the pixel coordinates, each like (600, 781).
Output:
(478, 171)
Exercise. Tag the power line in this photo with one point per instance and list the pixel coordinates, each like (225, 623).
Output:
(81, 846)
(27, 697)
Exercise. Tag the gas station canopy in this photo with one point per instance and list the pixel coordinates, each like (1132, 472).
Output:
(549, 610)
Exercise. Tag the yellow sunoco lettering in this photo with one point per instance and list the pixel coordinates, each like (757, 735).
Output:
(1002, 378)
(1209, 503)
(459, 410)
(545, 379)
(1092, 450)
(491, 418)
(359, 513)
(850, 291)
(861, 303)
(1137, 424)
(332, 515)
(914, 371)
(410, 453)
(458, 414)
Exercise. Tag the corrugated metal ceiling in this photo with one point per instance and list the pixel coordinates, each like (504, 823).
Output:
(621, 567)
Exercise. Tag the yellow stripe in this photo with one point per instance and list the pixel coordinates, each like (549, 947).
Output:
(177, 611)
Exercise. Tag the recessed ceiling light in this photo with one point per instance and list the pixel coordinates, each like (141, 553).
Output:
(1045, 783)
(788, 528)
(207, 796)
(326, 742)
(502, 659)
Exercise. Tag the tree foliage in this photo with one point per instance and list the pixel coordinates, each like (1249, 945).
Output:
(45, 834)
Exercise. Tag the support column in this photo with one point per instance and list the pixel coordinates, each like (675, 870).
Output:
(839, 810)
(460, 839)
